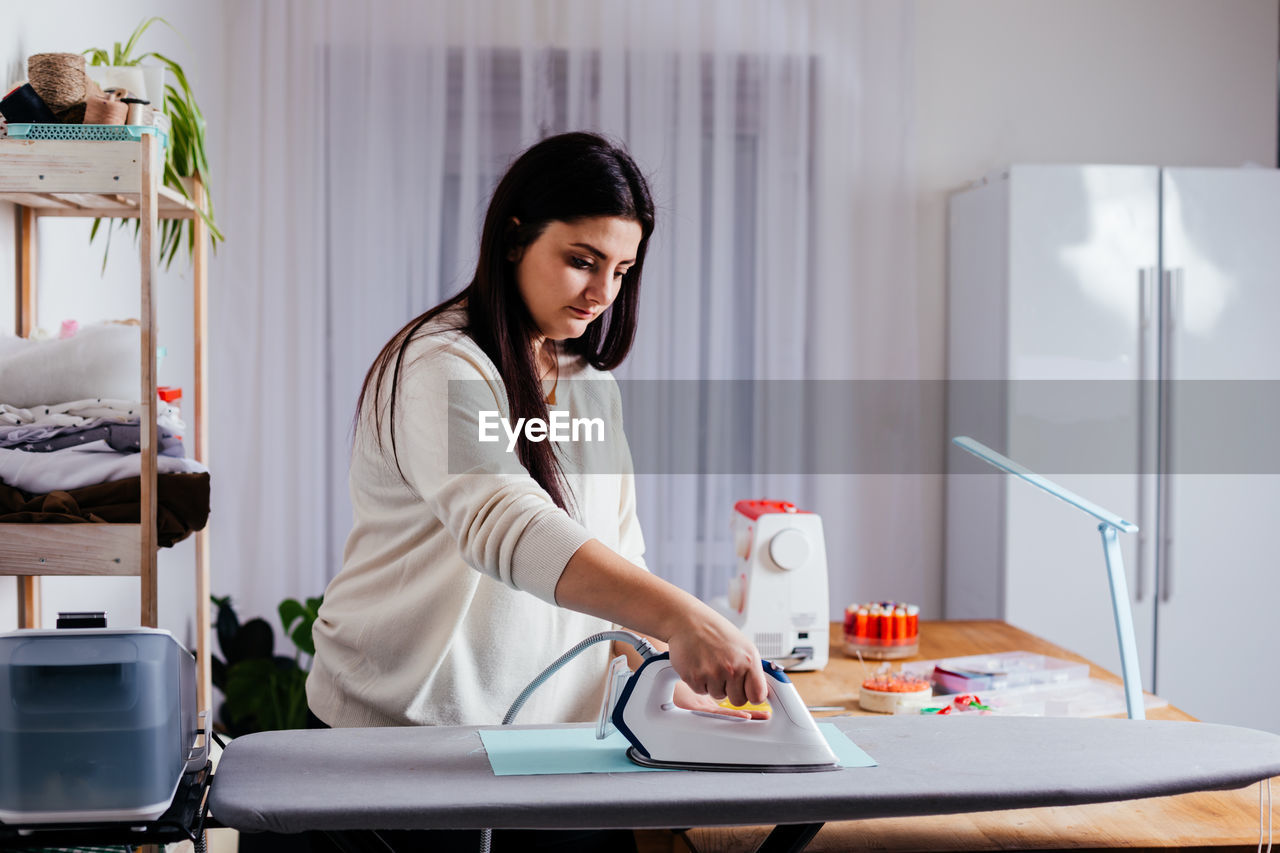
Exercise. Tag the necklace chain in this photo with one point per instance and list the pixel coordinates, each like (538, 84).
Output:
(555, 359)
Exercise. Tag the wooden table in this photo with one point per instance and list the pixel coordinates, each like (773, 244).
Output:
(1209, 819)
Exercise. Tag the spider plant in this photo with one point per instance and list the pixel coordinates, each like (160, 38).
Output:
(185, 156)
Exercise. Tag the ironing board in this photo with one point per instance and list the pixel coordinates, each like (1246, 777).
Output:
(439, 777)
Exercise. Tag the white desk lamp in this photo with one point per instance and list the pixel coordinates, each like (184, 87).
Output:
(1115, 565)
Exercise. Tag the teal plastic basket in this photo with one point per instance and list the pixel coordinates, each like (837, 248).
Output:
(95, 132)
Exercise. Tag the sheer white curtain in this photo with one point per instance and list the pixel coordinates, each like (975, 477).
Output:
(777, 138)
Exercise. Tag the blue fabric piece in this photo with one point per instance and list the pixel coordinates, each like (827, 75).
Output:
(540, 752)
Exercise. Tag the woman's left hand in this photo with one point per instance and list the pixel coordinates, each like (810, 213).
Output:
(690, 701)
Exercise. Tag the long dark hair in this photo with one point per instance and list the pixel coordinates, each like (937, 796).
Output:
(563, 178)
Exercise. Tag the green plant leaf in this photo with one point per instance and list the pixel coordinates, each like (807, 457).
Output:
(254, 640)
(186, 154)
(178, 74)
(269, 692)
(133, 39)
(176, 242)
(250, 692)
(227, 624)
(106, 250)
(302, 638)
(218, 672)
(293, 611)
(293, 696)
(290, 610)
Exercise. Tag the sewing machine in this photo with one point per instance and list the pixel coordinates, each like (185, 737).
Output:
(778, 593)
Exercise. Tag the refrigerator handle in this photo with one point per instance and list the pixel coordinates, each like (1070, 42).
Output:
(1173, 283)
(1146, 294)
(1146, 297)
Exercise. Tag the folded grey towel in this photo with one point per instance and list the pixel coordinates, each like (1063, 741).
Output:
(122, 437)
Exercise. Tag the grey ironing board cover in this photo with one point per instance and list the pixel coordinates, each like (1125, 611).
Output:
(436, 778)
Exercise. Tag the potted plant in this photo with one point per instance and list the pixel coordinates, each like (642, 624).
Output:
(186, 155)
(263, 691)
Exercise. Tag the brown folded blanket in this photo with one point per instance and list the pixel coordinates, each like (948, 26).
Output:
(182, 499)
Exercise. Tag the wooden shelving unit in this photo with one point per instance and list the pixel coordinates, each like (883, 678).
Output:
(109, 180)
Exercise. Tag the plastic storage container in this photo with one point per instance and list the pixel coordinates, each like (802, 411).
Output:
(93, 132)
(997, 672)
(96, 724)
(1024, 684)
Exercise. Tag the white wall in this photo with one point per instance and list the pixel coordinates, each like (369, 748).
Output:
(1173, 82)
(70, 286)
(1166, 82)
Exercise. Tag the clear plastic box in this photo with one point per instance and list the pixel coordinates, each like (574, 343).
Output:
(1027, 684)
(998, 671)
(95, 724)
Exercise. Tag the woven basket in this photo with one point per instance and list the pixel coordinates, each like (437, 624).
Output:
(58, 79)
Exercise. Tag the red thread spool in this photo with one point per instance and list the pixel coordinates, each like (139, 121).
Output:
(881, 630)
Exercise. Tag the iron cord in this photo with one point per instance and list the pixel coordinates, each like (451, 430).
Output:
(641, 645)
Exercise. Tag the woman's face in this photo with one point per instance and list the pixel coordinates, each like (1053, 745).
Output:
(573, 271)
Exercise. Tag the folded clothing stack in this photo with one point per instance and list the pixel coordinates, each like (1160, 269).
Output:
(80, 460)
(82, 463)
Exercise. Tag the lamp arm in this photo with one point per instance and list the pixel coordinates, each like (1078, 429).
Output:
(1124, 623)
(1004, 463)
(1111, 525)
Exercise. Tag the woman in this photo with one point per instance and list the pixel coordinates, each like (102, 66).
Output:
(471, 567)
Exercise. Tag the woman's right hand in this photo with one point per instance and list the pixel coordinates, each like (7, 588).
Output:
(707, 651)
(713, 657)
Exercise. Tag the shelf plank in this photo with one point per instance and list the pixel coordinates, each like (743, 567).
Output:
(96, 201)
(70, 549)
(37, 201)
(171, 204)
(111, 213)
(64, 166)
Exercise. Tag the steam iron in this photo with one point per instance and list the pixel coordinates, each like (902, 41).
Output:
(663, 735)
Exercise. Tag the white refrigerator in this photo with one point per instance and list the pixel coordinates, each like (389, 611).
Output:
(1117, 328)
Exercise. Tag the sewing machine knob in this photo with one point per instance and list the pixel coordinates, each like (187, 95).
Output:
(789, 549)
